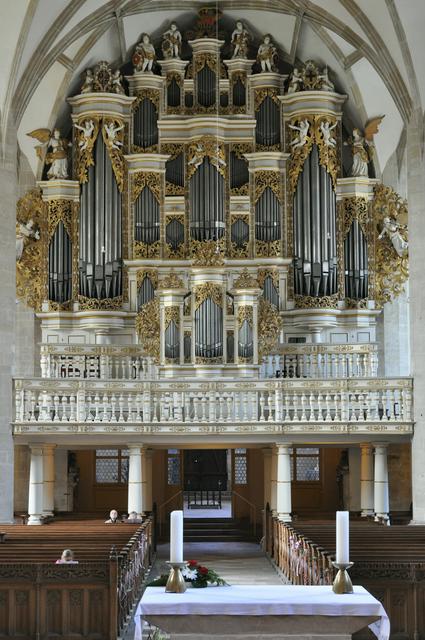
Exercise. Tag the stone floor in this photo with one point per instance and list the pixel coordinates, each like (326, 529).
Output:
(236, 562)
(224, 512)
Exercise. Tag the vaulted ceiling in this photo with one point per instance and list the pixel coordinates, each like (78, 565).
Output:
(374, 48)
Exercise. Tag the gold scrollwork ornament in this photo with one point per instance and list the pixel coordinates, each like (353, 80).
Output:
(148, 328)
(31, 249)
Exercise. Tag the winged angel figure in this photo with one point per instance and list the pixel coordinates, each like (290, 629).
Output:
(57, 152)
(362, 147)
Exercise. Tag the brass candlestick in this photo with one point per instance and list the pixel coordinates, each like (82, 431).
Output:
(175, 582)
(342, 582)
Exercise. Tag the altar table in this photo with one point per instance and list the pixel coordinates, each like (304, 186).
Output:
(270, 612)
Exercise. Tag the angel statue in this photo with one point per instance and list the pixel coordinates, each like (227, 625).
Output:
(301, 139)
(57, 158)
(172, 42)
(326, 128)
(267, 54)
(87, 133)
(391, 228)
(88, 84)
(111, 133)
(295, 81)
(240, 39)
(144, 55)
(24, 231)
(326, 83)
(116, 83)
(362, 147)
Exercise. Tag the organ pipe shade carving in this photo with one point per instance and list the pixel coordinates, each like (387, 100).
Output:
(239, 174)
(240, 233)
(209, 330)
(239, 94)
(207, 206)
(174, 170)
(172, 341)
(270, 292)
(145, 293)
(206, 81)
(356, 263)
(145, 124)
(267, 130)
(100, 230)
(314, 210)
(230, 347)
(173, 93)
(245, 340)
(60, 265)
(146, 217)
(267, 217)
(174, 234)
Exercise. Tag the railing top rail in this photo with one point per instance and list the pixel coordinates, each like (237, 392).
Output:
(251, 504)
(164, 504)
(90, 349)
(326, 347)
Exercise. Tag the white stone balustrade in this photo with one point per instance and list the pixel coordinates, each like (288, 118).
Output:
(357, 401)
(122, 362)
(322, 360)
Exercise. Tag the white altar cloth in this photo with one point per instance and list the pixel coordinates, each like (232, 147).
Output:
(263, 600)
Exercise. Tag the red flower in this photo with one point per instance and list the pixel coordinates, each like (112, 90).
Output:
(203, 571)
(192, 563)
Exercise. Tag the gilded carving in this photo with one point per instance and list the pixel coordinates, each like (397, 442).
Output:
(265, 249)
(312, 130)
(267, 179)
(113, 137)
(143, 179)
(246, 281)
(171, 281)
(261, 94)
(104, 304)
(31, 267)
(245, 312)
(172, 314)
(147, 94)
(312, 302)
(85, 146)
(269, 327)
(59, 211)
(152, 274)
(391, 268)
(265, 273)
(179, 253)
(206, 146)
(202, 59)
(148, 328)
(208, 290)
(145, 250)
(207, 253)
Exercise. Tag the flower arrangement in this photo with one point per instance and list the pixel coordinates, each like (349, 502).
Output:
(194, 573)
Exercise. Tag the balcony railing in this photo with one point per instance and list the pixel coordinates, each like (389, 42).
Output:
(122, 362)
(242, 406)
(322, 361)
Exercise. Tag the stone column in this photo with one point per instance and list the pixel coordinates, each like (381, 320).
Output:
(147, 478)
(267, 465)
(416, 200)
(381, 497)
(283, 483)
(273, 480)
(366, 480)
(48, 479)
(35, 497)
(135, 481)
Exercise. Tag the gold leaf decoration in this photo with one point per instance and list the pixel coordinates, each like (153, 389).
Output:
(103, 304)
(391, 269)
(172, 314)
(145, 250)
(246, 281)
(269, 327)
(267, 179)
(147, 94)
(148, 328)
(265, 273)
(313, 302)
(171, 281)
(261, 94)
(206, 146)
(245, 312)
(143, 179)
(265, 249)
(59, 211)
(113, 137)
(208, 290)
(152, 274)
(31, 268)
(207, 253)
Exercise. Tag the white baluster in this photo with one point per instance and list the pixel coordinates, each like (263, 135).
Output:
(139, 404)
(262, 403)
(229, 403)
(319, 407)
(27, 401)
(130, 408)
(72, 409)
(212, 406)
(221, 401)
(287, 405)
(103, 366)
(278, 403)
(303, 407)
(146, 405)
(64, 410)
(328, 413)
(97, 408)
(113, 408)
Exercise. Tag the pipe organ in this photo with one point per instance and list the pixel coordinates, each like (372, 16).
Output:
(207, 208)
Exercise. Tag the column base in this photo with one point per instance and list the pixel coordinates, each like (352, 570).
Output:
(367, 513)
(35, 519)
(382, 517)
(284, 517)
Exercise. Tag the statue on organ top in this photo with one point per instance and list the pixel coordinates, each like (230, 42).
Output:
(240, 40)
(172, 42)
(267, 54)
(144, 55)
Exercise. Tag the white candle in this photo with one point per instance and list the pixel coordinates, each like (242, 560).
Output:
(176, 536)
(342, 537)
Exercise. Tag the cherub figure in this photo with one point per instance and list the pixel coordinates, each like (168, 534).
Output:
(326, 84)
(240, 39)
(57, 158)
(301, 139)
(295, 81)
(144, 55)
(116, 82)
(198, 155)
(111, 133)
(87, 133)
(267, 54)
(172, 42)
(326, 129)
(391, 228)
(88, 83)
(24, 231)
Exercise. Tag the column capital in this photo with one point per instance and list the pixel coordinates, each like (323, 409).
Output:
(138, 446)
(36, 449)
(267, 451)
(49, 447)
(283, 447)
(380, 447)
(366, 445)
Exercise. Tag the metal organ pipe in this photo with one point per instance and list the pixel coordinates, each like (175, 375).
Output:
(209, 330)
(206, 198)
(356, 263)
(145, 124)
(60, 265)
(267, 130)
